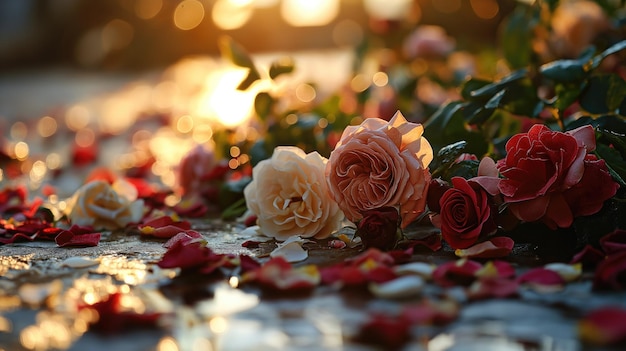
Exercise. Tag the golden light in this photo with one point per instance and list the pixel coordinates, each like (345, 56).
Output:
(19, 130)
(231, 14)
(305, 92)
(188, 14)
(222, 102)
(38, 171)
(485, 9)
(167, 344)
(31, 338)
(264, 3)
(291, 119)
(77, 117)
(235, 151)
(202, 133)
(359, 83)
(447, 6)
(307, 13)
(388, 9)
(53, 161)
(218, 324)
(146, 9)
(85, 137)
(47, 126)
(5, 325)
(117, 34)
(21, 151)
(184, 124)
(380, 79)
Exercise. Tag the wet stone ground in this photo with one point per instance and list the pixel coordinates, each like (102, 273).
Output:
(39, 284)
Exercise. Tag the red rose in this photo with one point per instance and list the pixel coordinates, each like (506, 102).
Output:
(379, 228)
(541, 166)
(465, 214)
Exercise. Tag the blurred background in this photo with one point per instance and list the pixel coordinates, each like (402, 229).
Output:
(143, 34)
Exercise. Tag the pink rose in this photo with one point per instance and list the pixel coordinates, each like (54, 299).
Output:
(194, 166)
(428, 41)
(465, 214)
(381, 164)
(547, 173)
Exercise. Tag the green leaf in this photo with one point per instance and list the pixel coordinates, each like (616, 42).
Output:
(517, 36)
(490, 90)
(282, 66)
(253, 76)
(263, 104)
(603, 94)
(238, 55)
(450, 152)
(261, 150)
(614, 162)
(566, 95)
(476, 113)
(565, 71)
(610, 51)
(471, 85)
(466, 169)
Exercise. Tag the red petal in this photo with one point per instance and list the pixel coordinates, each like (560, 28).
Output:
(493, 288)
(604, 326)
(17, 237)
(541, 278)
(494, 248)
(460, 272)
(611, 273)
(614, 241)
(68, 239)
(589, 256)
(429, 312)
(389, 332)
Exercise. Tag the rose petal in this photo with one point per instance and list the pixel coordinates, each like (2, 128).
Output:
(569, 272)
(398, 288)
(604, 326)
(291, 250)
(542, 280)
(79, 262)
(385, 331)
(422, 269)
(68, 239)
(589, 256)
(278, 274)
(611, 273)
(492, 288)
(614, 241)
(431, 312)
(496, 247)
(496, 269)
(460, 272)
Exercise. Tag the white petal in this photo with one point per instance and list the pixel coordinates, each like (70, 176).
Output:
(79, 262)
(399, 288)
(291, 250)
(569, 272)
(422, 269)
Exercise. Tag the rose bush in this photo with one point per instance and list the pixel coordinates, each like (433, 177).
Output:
(549, 177)
(380, 164)
(99, 205)
(379, 228)
(289, 195)
(465, 214)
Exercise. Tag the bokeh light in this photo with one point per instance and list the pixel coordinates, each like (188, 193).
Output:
(231, 14)
(307, 13)
(188, 14)
(147, 9)
(46, 126)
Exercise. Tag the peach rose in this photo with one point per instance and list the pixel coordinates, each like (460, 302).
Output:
(99, 205)
(380, 164)
(289, 195)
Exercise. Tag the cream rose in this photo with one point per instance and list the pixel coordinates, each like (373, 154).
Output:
(98, 204)
(380, 164)
(289, 195)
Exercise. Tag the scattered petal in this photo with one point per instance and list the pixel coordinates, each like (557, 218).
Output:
(337, 244)
(492, 288)
(542, 280)
(163, 227)
(604, 326)
(431, 312)
(279, 275)
(496, 269)
(569, 272)
(614, 241)
(611, 273)
(402, 287)
(68, 239)
(79, 262)
(421, 269)
(589, 256)
(460, 272)
(291, 250)
(389, 332)
(496, 247)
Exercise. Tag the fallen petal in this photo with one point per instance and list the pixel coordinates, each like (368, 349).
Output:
(494, 248)
(542, 280)
(291, 250)
(399, 288)
(604, 326)
(422, 269)
(614, 241)
(569, 272)
(492, 288)
(79, 262)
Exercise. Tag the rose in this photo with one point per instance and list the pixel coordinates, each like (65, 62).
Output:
(379, 228)
(465, 214)
(198, 163)
(575, 25)
(381, 164)
(289, 195)
(428, 41)
(547, 172)
(98, 204)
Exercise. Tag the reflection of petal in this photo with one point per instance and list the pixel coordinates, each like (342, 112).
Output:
(402, 287)
(227, 301)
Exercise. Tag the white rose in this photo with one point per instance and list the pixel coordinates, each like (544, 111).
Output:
(97, 204)
(289, 195)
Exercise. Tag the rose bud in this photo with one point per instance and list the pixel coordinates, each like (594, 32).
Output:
(436, 189)
(379, 228)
